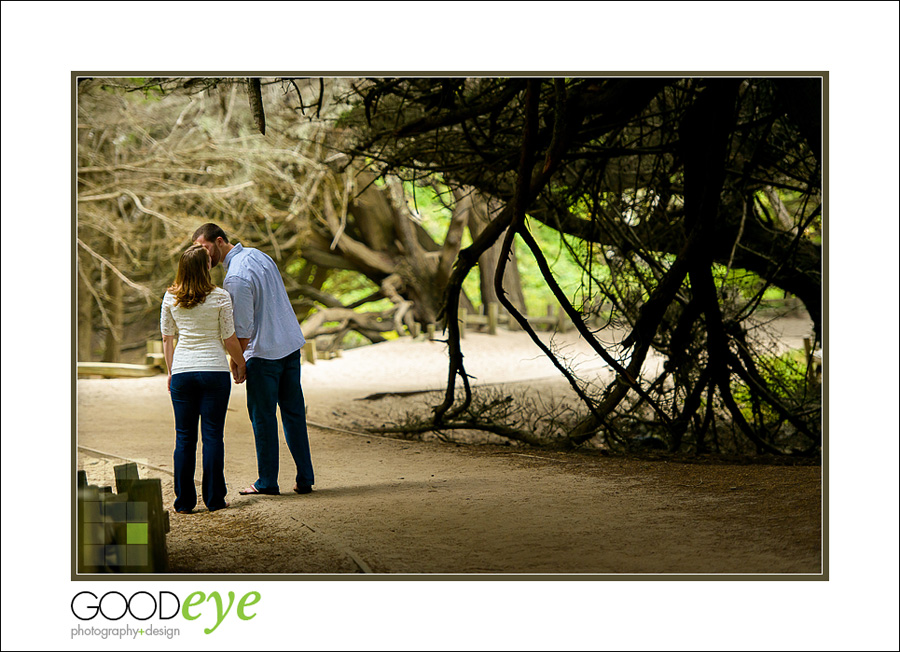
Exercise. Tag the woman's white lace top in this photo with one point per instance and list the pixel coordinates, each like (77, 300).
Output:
(201, 330)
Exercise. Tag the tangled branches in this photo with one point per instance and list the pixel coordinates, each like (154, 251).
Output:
(672, 189)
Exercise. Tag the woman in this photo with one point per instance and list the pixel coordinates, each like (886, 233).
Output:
(199, 375)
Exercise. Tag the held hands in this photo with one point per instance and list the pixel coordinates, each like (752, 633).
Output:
(238, 372)
(236, 356)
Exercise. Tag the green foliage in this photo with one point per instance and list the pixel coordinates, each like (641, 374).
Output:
(566, 270)
(350, 286)
(428, 202)
(293, 268)
(800, 209)
(785, 376)
(148, 94)
(743, 283)
(354, 340)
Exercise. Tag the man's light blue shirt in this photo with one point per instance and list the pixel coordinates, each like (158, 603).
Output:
(262, 309)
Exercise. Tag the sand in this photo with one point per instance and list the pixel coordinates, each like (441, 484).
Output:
(385, 505)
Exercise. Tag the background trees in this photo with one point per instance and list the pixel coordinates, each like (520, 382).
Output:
(682, 202)
(159, 157)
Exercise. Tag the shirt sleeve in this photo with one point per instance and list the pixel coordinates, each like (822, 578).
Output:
(226, 317)
(241, 292)
(166, 320)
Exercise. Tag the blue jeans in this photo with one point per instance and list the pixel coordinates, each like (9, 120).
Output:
(200, 396)
(271, 382)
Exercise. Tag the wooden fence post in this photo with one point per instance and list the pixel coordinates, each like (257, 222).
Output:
(312, 353)
(155, 356)
(562, 320)
(430, 328)
(493, 318)
(512, 324)
(125, 475)
(463, 318)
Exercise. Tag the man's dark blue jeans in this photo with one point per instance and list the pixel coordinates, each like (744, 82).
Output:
(271, 383)
(200, 396)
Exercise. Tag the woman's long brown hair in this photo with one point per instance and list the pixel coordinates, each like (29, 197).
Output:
(192, 280)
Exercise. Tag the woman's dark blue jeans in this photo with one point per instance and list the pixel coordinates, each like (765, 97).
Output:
(200, 396)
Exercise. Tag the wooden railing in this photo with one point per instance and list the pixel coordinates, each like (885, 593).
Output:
(154, 363)
(490, 318)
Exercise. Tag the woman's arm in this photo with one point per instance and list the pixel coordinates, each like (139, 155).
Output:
(169, 351)
(232, 345)
(168, 329)
(238, 366)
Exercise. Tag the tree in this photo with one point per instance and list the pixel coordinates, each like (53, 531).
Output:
(158, 157)
(678, 178)
(684, 200)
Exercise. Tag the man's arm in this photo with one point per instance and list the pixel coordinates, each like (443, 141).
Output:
(244, 342)
(242, 301)
(242, 306)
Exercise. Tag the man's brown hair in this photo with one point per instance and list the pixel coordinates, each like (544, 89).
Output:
(210, 232)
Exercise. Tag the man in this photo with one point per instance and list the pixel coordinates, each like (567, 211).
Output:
(270, 338)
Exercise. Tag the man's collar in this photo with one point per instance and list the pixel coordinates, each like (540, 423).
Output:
(234, 250)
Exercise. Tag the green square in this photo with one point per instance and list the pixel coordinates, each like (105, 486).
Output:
(137, 533)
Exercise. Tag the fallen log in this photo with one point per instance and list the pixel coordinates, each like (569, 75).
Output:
(117, 370)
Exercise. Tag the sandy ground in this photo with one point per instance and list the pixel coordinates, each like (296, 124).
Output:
(384, 505)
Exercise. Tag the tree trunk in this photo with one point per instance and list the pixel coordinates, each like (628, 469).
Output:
(782, 216)
(368, 231)
(478, 217)
(373, 213)
(85, 314)
(113, 346)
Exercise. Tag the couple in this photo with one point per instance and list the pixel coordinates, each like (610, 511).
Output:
(252, 319)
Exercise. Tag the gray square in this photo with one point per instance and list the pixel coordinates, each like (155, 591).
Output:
(116, 512)
(137, 555)
(93, 555)
(93, 534)
(137, 512)
(115, 555)
(92, 512)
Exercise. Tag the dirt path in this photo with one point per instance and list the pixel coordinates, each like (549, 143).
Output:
(389, 506)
